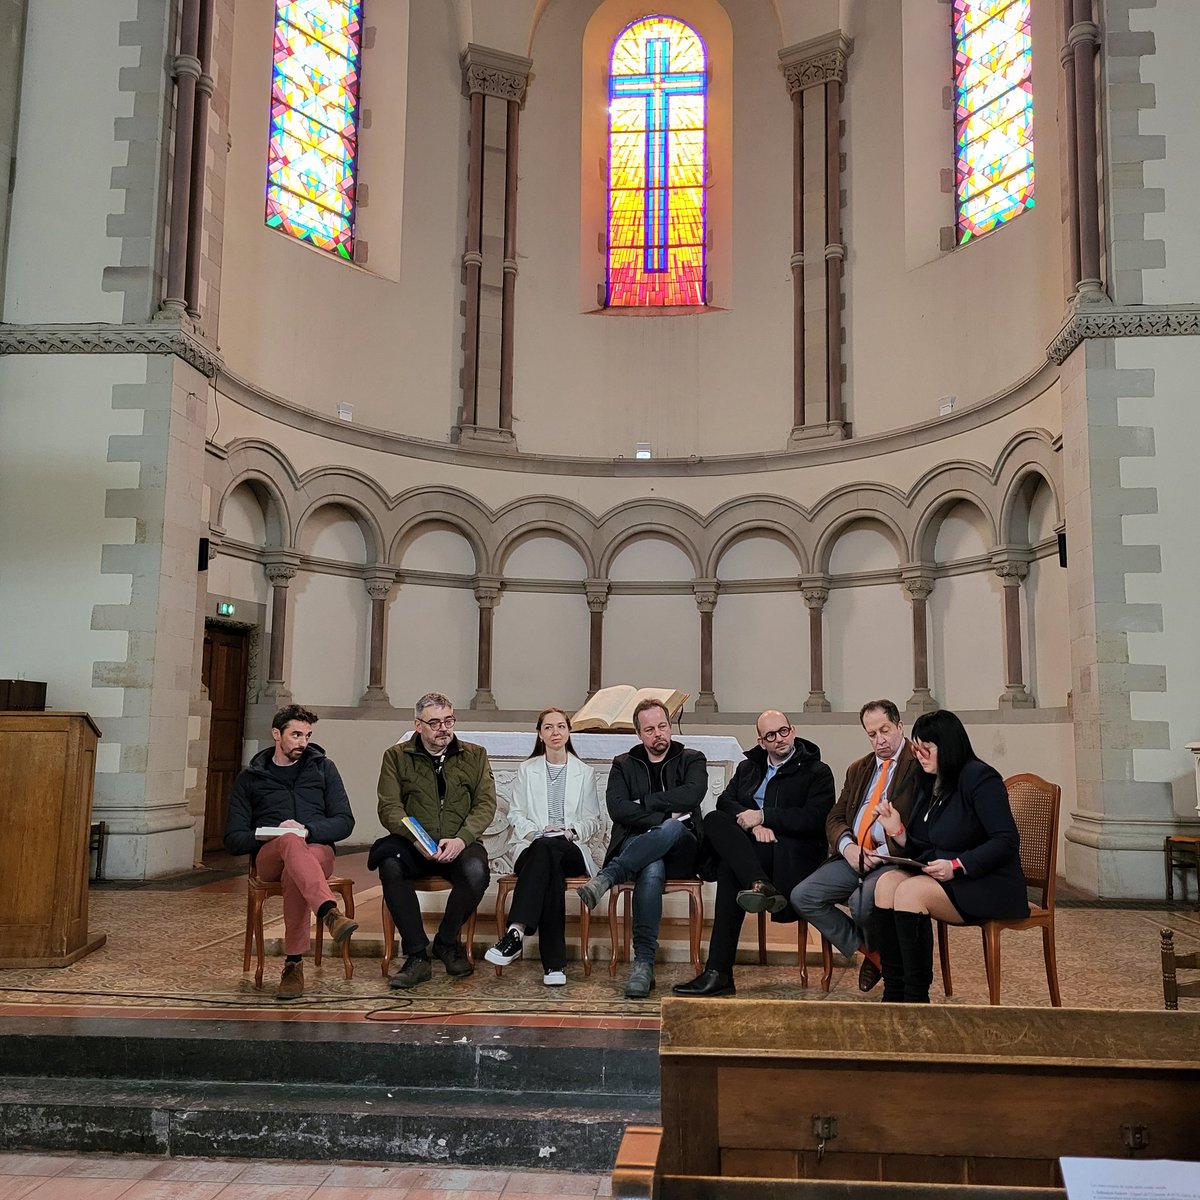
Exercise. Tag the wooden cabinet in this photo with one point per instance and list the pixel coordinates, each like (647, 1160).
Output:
(47, 768)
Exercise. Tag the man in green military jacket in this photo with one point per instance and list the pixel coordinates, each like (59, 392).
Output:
(446, 786)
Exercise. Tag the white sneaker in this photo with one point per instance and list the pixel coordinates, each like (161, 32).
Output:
(554, 978)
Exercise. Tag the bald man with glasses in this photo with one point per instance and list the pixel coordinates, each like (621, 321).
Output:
(767, 834)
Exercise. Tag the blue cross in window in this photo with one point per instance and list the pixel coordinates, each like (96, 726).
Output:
(657, 85)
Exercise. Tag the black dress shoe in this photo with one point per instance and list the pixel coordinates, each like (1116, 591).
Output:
(868, 975)
(707, 983)
(764, 896)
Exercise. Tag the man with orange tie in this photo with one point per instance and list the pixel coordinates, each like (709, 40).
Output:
(855, 834)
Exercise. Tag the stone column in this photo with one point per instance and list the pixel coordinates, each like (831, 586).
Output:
(815, 72)
(705, 591)
(379, 585)
(12, 49)
(204, 91)
(186, 69)
(495, 82)
(1083, 38)
(597, 602)
(815, 589)
(1066, 57)
(487, 596)
(280, 571)
(918, 585)
(1012, 570)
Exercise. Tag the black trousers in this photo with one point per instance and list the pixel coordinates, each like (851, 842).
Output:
(743, 861)
(539, 901)
(468, 875)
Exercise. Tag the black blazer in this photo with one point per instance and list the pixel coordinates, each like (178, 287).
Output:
(973, 823)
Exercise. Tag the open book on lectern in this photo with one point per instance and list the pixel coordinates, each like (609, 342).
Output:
(610, 710)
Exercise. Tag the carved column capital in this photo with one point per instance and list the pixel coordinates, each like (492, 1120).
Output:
(281, 571)
(487, 590)
(379, 583)
(495, 73)
(596, 591)
(817, 61)
(1010, 570)
(815, 590)
(705, 591)
(918, 584)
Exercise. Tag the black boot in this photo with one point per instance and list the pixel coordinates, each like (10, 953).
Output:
(914, 931)
(888, 944)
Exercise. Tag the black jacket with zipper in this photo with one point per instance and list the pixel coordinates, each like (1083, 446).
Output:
(635, 805)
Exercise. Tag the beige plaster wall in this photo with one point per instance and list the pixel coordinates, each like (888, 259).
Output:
(1171, 418)
(56, 419)
(388, 335)
(59, 240)
(1172, 272)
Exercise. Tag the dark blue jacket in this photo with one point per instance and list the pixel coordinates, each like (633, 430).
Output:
(317, 799)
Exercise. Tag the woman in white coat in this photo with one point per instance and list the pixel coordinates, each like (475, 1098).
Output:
(555, 811)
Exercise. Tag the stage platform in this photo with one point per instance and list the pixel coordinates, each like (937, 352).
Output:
(158, 1044)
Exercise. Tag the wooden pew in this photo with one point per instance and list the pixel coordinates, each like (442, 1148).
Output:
(909, 1100)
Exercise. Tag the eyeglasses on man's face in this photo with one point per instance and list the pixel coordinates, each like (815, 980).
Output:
(776, 734)
(439, 723)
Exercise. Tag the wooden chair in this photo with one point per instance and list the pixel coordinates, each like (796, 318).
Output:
(505, 886)
(695, 918)
(1035, 805)
(801, 952)
(432, 883)
(257, 894)
(1181, 853)
(1171, 962)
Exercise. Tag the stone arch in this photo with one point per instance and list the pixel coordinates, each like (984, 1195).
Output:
(270, 499)
(448, 507)
(846, 507)
(363, 517)
(672, 522)
(547, 514)
(931, 516)
(743, 517)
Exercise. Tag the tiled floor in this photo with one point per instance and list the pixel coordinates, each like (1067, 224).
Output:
(65, 1177)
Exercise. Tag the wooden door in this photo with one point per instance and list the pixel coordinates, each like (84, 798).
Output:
(226, 662)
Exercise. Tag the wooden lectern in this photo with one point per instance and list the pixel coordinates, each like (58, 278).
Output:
(47, 768)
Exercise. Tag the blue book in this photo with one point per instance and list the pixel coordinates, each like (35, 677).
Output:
(423, 840)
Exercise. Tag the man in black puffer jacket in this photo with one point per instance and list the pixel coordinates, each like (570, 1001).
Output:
(767, 834)
(293, 786)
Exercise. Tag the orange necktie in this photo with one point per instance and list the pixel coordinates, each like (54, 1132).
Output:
(864, 837)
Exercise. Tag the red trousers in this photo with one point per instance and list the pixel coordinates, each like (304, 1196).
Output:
(302, 869)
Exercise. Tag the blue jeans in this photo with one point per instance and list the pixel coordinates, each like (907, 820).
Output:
(641, 858)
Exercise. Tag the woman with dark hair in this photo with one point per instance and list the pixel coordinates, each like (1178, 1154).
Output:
(555, 811)
(962, 830)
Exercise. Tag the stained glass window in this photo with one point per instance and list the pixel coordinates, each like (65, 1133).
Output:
(993, 116)
(314, 122)
(657, 153)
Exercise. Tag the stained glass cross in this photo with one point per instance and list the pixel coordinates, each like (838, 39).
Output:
(656, 86)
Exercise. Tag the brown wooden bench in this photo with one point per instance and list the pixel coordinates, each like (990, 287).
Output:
(777, 1099)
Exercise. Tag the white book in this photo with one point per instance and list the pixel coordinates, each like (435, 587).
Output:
(263, 832)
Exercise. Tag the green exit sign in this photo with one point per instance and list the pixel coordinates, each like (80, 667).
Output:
(225, 609)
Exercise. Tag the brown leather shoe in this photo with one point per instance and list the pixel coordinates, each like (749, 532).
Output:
(340, 927)
(291, 983)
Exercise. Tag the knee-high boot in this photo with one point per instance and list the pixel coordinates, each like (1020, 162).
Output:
(888, 944)
(914, 932)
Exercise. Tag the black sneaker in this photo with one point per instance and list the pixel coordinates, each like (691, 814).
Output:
(453, 957)
(505, 950)
(417, 969)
